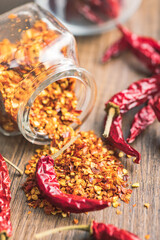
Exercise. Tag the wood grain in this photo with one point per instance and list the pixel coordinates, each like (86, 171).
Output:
(110, 78)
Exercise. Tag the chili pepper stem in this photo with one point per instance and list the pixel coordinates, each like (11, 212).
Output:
(55, 230)
(111, 114)
(57, 154)
(13, 165)
(3, 236)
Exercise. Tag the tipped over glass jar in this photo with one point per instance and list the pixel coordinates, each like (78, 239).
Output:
(42, 88)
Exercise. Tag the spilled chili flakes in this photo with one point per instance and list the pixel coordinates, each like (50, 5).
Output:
(86, 169)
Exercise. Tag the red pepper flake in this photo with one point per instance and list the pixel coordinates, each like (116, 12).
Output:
(75, 221)
(118, 212)
(29, 212)
(147, 237)
(12, 16)
(134, 205)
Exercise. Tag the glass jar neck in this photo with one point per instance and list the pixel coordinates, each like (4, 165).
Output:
(30, 88)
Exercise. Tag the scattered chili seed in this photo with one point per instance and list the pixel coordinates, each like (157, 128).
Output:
(118, 212)
(147, 205)
(135, 185)
(134, 205)
(121, 154)
(29, 212)
(116, 204)
(75, 221)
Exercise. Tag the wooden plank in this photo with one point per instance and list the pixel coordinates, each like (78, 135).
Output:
(110, 78)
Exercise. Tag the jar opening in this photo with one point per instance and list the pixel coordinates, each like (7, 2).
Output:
(62, 100)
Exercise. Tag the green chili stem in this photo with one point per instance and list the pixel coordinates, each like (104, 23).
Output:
(13, 165)
(111, 114)
(57, 154)
(55, 230)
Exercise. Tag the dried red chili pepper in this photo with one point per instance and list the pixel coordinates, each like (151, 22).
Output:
(5, 198)
(117, 139)
(89, 14)
(50, 189)
(96, 11)
(142, 120)
(110, 8)
(115, 50)
(136, 94)
(146, 49)
(99, 231)
(156, 106)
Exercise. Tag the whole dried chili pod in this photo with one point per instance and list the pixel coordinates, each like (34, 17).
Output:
(146, 49)
(99, 231)
(117, 139)
(92, 10)
(110, 8)
(156, 106)
(50, 189)
(136, 94)
(89, 13)
(5, 198)
(115, 50)
(142, 120)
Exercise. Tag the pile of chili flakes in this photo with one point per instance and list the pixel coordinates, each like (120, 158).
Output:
(86, 168)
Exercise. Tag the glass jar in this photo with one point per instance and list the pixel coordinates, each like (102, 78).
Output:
(38, 63)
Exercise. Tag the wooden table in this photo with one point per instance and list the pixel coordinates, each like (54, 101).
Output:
(110, 78)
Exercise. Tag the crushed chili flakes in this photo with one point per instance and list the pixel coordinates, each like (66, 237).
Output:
(75, 221)
(55, 106)
(116, 204)
(134, 205)
(86, 168)
(147, 236)
(118, 212)
(12, 16)
(55, 109)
